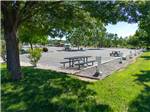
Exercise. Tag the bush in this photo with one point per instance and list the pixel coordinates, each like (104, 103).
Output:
(3, 50)
(34, 56)
(45, 49)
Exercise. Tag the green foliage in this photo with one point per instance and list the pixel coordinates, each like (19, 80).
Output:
(144, 25)
(45, 49)
(40, 90)
(77, 37)
(32, 36)
(59, 33)
(98, 34)
(32, 20)
(142, 35)
(133, 41)
(48, 91)
(89, 33)
(60, 18)
(34, 56)
(127, 90)
(113, 11)
(112, 40)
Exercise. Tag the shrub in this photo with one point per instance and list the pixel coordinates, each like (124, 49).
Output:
(3, 50)
(34, 56)
(45, 49)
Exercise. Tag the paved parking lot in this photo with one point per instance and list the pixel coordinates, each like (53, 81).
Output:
(55, 55)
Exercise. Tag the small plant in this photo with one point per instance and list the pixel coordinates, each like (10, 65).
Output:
(3, 51)
(34, 56)
(45, 49)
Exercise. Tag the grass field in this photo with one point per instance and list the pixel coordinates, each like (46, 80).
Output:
(39, 90)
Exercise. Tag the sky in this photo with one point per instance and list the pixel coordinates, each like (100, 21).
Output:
(122, 29)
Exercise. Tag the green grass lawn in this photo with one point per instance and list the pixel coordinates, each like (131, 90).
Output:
(39, 90)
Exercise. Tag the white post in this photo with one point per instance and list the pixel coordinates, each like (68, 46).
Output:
(121, 56)
(130, 54)
(135, 53)
(98, 72)
(98, 59)
(139, 51)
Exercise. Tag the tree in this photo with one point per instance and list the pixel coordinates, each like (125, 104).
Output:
(11, 21)
(80, 29)
(34, 56)
(133, 41)
(122, 42)
(143, 37)
(31, 36)
(113, 11)
(98, 31)
(48, 14)
(14, 14)
(76, 38)
(143, 33)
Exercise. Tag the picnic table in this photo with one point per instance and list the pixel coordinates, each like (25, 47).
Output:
(81, 60)
(115, 53)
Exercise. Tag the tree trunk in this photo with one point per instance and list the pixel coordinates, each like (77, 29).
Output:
(11, 23)
(31, 45)
(12, 49)
(78, 47)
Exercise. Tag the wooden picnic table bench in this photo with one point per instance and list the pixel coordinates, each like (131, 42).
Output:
(72, 60)
(77, 57)
(83, 63)
(65, 62)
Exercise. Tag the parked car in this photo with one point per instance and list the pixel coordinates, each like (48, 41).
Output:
(67, 47)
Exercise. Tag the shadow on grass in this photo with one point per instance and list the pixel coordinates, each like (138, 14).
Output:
(146, 57)
(142, 102)
(48, 91)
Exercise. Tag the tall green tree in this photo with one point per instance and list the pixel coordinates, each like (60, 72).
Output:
(113, 11)
(15, 14)
(142, 35)
(98, 36)
(133, 41)
(31, 37)
(80, 29)
(43, 14)
(143, 32)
